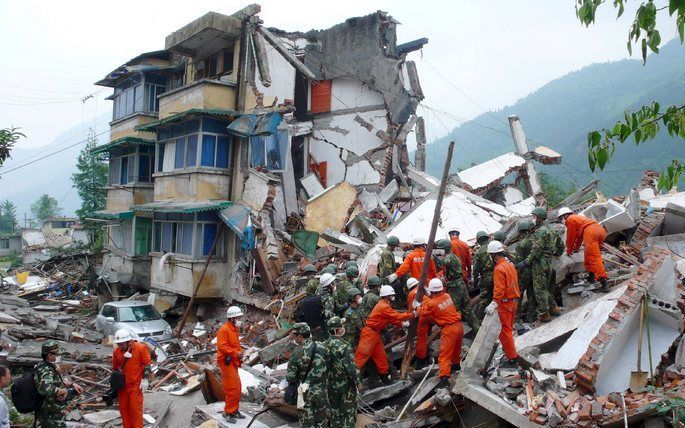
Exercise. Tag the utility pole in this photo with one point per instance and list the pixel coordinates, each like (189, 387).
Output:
(409, 346)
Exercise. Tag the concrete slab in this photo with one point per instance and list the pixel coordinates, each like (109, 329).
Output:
(215, 411)
(611, 214)
(493, 403)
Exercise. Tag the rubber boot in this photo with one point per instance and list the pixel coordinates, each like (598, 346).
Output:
(444, 383)
(420, 363)
(509, 364)
(238, 415)
(590, 277)
(386, 380)
(554, 310)
(604, 287)
(544, 317)
(455, 368)
(231, 419)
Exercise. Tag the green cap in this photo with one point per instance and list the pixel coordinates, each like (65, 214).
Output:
(352, 293)
(444, 244)
(328, 269)
(481, 234)
(309, 268)
(499, 236)
(351, 263)
(332, 266)
(524, 225)
(352, 271)
(301, 328)
(539, 212)
(373, 281)
(335, 322)
(393, 240)
(50, 347)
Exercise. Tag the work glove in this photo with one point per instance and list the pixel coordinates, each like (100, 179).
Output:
(392, 277)
(415, 304)
(490, 309)
(521, 265)
(405, 324)
(415, 313)
(144, 385)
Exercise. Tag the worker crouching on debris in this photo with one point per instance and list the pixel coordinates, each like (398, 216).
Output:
(589, 233)
(370, 343)
(440, 307)
(229, 356)
(308, 370)
(413, 263)
(343, 376)
(505, 299)
(133, 360)
(53, 390)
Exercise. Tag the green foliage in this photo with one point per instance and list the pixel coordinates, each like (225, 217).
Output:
(643, 123)
(14, 259)
(45, 207)
(90, 181)
(672, 409)
(555, 189)
(8, 136)
(8, 217)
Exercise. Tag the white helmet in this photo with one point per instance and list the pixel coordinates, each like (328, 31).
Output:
(234, 312)
(412, 282)
(495, 247)
(326, 279)
(387, 290)
(564, 210)
(435, 285)
(418, 240)
(122, 335)
(453, 229)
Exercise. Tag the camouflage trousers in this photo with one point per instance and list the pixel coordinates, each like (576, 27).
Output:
(343, 403)
(316, 412)
(50, 417)
(541, 279)
(531, 307)
(460, 298)
(485, 297)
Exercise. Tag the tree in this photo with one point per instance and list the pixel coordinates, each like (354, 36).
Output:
(555, 189)
(45, 207)
(8, 217)
(643, 123)
(90, 181)
(8, 136)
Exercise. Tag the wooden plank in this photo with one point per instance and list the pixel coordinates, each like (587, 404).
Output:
(620, 254)
(265, 270)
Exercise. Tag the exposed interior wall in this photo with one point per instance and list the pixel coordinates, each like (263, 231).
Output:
(282, 78)
(196, 186)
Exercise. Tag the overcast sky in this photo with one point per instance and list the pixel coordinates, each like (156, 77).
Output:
(487, 53)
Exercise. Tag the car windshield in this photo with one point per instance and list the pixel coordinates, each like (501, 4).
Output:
(138, 313)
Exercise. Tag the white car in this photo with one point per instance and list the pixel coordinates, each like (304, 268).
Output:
(140, 318)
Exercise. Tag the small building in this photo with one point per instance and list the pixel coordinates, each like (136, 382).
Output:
(10, 244)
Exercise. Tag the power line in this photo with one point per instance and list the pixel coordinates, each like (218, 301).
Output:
(43, 90)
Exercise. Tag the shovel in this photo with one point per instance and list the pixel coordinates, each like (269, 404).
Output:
(638, 379)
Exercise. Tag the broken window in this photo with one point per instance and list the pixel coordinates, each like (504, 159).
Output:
(187, 234)
(269, 151)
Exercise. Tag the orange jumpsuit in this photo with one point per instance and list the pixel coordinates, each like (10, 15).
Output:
(506, 293)
(591, 234)
(441, 308)
(462, 250)
(423, 328)
(131, 397)
(228, 345)
(413, 264)
(370, 343)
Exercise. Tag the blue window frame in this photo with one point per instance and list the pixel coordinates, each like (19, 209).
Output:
(188, 234)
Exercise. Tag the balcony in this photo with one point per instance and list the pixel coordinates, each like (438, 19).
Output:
(121, 199)
(125, 127)
(201, 95)
(204, 35)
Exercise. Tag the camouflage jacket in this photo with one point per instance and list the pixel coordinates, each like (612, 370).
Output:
(483, 267)
(386, 264)
(330, 305)
(343, 374)
(368, 303)
(523, 247)
(48, 381)
(341, 288)
(354, 322)
(453, 274)
(299, 361)
(546, 244)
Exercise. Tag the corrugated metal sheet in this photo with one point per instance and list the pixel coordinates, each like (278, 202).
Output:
(113, 215)
(121, 142)
(183, 207)
(252, 125)
(152, 126)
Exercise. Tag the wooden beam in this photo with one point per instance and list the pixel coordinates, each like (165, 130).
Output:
(281, 49)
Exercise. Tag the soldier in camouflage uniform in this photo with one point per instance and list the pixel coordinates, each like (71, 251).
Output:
(343, 377)
(455, 286)
(316, 412)
(546, 245)
(354, 318)
(344, 284)
(371, 297)
(326, 292)
(52, 388)
(523, 248)
(309, 274)
(483, 269)
(310, 310)
(386, 264)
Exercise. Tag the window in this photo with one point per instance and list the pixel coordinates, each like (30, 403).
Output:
(193, 143)
(131, 164)
(138, 313)
(187, 234)
(138, 93)
(4, 244)
(109, 311)
(216, 65)
(270, 151)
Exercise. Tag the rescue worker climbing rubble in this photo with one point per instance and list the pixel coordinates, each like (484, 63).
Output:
(452, 275)
(229, 357)
(307, 368)
(584, 231)
(462, 250)
(343, 376)
(133, 360)
(441, 308)
(413, 263)
(370, 344)
(505, 300)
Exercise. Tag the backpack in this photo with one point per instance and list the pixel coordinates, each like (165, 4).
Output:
(25, 394)
(310, 310)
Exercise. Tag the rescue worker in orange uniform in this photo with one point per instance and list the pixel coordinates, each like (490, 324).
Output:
(133, 359)
(462, 250)
(589, 233)
(424, 326)
(229, 355)
(413, 263)
(370, 343)
(505, 300)
(441, 308)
